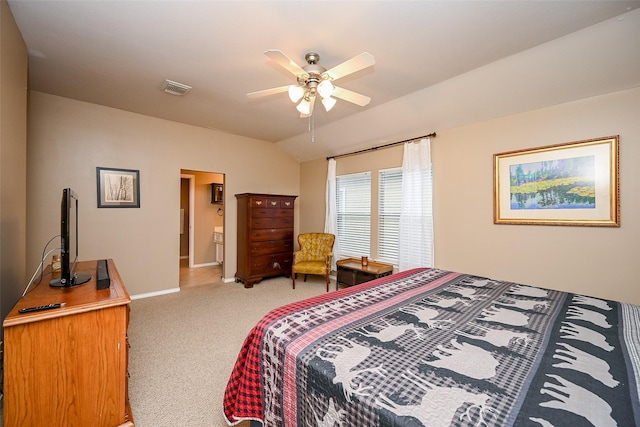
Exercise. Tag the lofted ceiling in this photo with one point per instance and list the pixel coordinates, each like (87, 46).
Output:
(118, 54)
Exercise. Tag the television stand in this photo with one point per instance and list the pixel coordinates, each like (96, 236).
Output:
(68, 365)
(78, 279)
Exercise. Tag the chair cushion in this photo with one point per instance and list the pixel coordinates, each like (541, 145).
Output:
(310, 267)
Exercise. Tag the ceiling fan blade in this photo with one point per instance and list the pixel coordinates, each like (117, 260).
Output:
(267, 92)
(352, 65)
(350, 96)
(285, 62)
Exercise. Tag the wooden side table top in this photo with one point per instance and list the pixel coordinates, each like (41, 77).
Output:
(373, 267)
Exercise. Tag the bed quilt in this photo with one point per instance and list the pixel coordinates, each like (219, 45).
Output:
(430, 347)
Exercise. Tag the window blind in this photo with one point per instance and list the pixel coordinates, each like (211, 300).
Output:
(389, 209)
(353, 200)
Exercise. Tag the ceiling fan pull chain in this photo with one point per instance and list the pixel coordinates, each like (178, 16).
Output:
(312, 128)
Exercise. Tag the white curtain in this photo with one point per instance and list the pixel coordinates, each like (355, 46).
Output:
(331, 215)
(416, 217)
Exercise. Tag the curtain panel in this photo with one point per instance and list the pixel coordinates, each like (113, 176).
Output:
(416, 217)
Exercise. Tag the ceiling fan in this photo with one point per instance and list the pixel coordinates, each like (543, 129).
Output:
(313, 79)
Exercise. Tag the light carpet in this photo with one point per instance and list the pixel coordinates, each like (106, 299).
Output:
(183, 347)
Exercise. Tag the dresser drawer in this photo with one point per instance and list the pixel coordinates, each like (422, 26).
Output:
(260, 235)
(271, 247)
(257, 202)
(271, 264)
(272, 222)
(276, 202)
(271, 202)
(269, 213)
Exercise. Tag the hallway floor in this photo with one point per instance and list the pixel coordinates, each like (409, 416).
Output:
(190, 277)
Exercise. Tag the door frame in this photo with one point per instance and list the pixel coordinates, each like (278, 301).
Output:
(192, 206)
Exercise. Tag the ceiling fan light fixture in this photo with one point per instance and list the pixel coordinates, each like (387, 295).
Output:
(315, 81)
(295, 93)
(328, 103)
(325, 88)
(304, 107)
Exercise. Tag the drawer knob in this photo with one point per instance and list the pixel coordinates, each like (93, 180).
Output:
(258, 202)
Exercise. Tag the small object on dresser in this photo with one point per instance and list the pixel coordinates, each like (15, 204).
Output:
(42, 307)
(365, 261)
(56, 266)
(103, 280)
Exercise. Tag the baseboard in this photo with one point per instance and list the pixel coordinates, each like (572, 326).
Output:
(209, 264)
(155, 294)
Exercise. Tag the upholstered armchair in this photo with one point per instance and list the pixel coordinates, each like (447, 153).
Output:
(314, 256)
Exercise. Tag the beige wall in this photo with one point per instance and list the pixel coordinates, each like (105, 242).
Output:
(312, 202)
(596, 261)
(68, 139)
(13, 161)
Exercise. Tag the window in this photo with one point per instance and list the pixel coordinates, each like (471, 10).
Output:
(389, 208)
(353, 200)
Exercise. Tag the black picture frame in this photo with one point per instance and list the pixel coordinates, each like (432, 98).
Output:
(118, 188)
(217, 193)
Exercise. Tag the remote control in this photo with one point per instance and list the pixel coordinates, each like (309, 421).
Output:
(41, 307)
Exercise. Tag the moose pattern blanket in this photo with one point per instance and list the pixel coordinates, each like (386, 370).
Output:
(429, 347)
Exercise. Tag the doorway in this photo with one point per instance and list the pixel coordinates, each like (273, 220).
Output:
(201, 228)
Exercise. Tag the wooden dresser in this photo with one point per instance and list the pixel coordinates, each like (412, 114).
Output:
(68, 366)
(265, 236)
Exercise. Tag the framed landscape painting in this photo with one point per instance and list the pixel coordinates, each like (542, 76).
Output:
(574, 183)
(118, 188)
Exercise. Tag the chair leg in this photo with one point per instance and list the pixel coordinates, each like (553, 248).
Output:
(305, 277)
(293, 280)
(327, 280)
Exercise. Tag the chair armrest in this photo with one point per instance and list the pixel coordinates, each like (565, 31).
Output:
(328, 259)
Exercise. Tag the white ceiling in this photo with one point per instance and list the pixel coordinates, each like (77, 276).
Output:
(118, 54)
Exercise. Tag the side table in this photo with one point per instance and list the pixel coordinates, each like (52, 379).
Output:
(352, 272)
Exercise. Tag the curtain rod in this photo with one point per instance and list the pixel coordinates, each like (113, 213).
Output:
(431, 135)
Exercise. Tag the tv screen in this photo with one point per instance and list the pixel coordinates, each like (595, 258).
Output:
(69, 243)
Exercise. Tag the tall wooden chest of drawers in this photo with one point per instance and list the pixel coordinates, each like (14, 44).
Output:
(265, 236)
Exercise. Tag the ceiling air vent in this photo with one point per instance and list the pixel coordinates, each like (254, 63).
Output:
(175, 88)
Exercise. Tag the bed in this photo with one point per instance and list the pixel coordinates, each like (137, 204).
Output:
(429, 347)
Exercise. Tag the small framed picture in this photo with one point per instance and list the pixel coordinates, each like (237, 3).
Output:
(118, 188)
(574, 183)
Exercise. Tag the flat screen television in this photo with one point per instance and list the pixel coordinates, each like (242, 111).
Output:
(69, 243)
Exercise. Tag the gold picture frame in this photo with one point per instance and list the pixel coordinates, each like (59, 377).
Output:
(575, 183)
